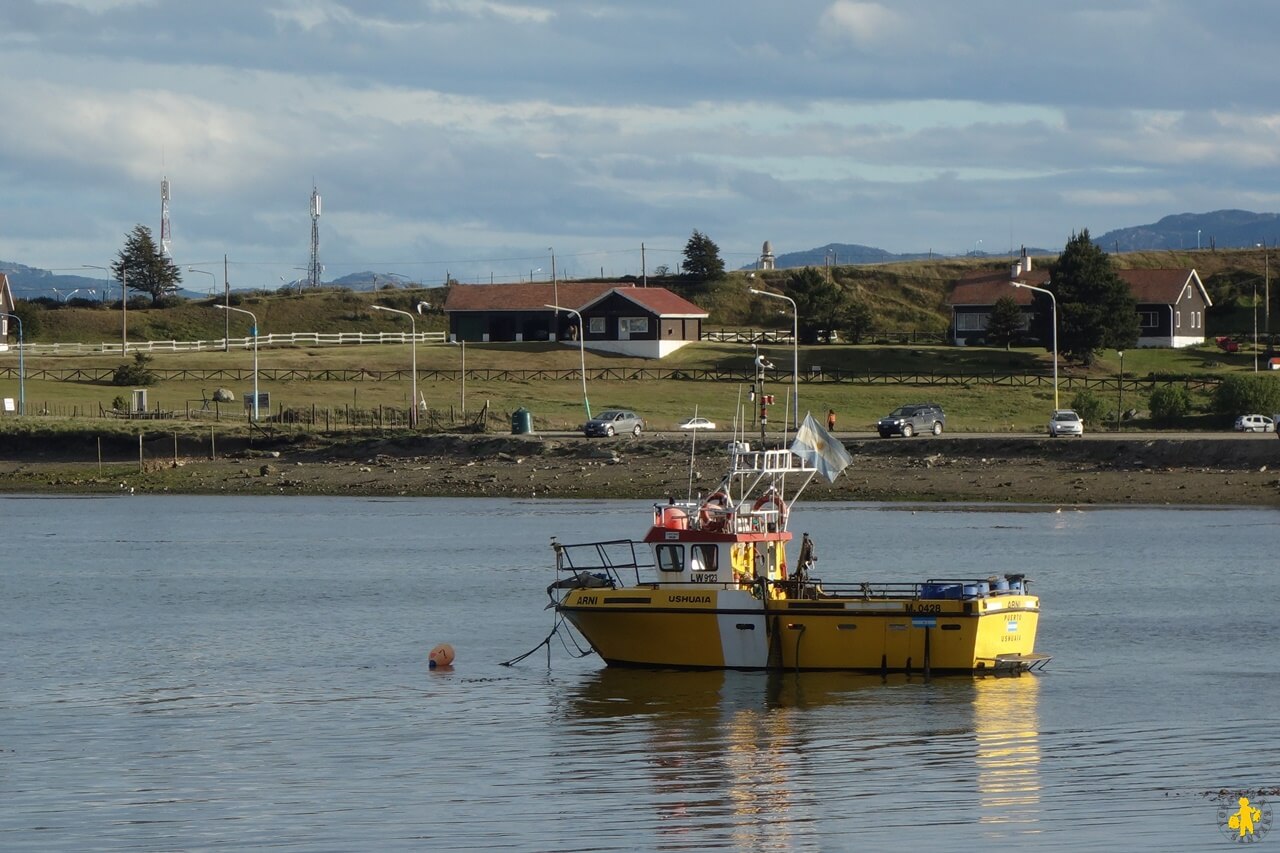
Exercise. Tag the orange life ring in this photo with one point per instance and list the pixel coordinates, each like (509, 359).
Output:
(706, 519)
(776, 502)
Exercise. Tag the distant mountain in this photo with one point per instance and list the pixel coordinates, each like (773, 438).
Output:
(32, 283)
(1222, 229)
(845, 254)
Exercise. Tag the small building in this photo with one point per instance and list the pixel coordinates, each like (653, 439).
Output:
(975, 295)
(6, 308)
(1171, 306)
(646, 322)
(1171, 303)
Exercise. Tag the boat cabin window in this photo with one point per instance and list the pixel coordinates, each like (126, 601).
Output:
(670, 558)
(706, 558)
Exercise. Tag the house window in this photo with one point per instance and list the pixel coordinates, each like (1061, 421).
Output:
(670, 557)
(1178, 320)
(634, 325)
(596, 325)
(1147, 319)
(972, 322)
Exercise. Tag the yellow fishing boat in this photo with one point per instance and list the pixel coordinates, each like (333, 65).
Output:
(711, 587)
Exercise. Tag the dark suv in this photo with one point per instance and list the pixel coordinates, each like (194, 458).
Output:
(912, 419)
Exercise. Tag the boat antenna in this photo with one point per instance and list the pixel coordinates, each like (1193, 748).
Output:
(693, 443)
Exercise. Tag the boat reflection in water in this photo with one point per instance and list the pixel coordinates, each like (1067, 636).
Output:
(1006, 721)
(777, 759)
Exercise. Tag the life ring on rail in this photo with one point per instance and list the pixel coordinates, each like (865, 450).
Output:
(709, 520)
(772, 500)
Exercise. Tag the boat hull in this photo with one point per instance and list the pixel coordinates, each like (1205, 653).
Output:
(722, 628)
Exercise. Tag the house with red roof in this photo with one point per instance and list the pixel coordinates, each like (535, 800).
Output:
(1171, 303)
(647, 322)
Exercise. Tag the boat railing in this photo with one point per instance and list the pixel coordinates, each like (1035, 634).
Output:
(769, 462)
(611, 558)
(934, 588)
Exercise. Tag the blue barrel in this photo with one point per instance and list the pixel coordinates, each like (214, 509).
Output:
(521, 422)
(971, 590)
(1001, 586)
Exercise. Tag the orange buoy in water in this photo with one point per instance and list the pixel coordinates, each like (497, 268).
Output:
(441, 656)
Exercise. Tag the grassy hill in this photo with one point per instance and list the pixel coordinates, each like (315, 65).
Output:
(909, 296)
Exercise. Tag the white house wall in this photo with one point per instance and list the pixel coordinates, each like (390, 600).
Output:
(635, 349)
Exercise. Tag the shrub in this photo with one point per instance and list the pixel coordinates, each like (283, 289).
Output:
(1169, 403)
(1089, 407)
(136, 373)
(1242, 395)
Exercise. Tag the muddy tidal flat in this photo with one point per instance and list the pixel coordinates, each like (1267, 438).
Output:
(1096, 470)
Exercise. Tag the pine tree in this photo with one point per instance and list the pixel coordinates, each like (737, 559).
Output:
(1006, 323)
(702, 258)
(144, 268)
(820, 304)
(1096, 310)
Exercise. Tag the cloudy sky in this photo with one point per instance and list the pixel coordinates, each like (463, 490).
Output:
(475, 137)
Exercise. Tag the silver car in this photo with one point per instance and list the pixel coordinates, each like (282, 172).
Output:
(613, 422)
(1065, 422)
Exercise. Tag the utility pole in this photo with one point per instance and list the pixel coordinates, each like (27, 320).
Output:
(226, 288)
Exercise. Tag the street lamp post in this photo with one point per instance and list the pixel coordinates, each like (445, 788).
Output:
(1120, 391)
(1266, 293)
(795, 349)
(582, 352)
(1255, 327)
(253, 317)
(205, 272)
(1054, 302)
(462, 393)
(124, 311)
(555, 294)
(413, 355)
(22, 368)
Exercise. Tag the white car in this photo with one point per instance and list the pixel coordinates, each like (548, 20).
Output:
(697, 423)
(1065, 422)
(1255, 423)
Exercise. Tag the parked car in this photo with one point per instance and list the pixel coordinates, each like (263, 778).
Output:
(1255, 423)
(697, 423)
(1065, 422)
(614, 421)
(910, 420)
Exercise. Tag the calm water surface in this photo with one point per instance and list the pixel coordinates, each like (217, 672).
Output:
(186, 673)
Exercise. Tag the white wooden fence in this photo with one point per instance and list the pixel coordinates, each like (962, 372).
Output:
(288, 339)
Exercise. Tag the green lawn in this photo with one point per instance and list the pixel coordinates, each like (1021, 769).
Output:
(558, 403)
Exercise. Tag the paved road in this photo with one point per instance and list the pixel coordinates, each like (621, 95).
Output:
(1127, 435)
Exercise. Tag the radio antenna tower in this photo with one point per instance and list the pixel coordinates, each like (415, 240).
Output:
(313, 272)
(166, 239)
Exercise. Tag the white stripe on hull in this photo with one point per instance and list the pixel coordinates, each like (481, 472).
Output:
(742, 646)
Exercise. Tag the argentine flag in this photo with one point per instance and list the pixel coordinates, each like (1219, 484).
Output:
(819, 448)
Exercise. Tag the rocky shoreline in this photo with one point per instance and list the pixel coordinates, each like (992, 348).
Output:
(1226, 471)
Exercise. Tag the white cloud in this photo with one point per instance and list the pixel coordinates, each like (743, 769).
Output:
(865, 24)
